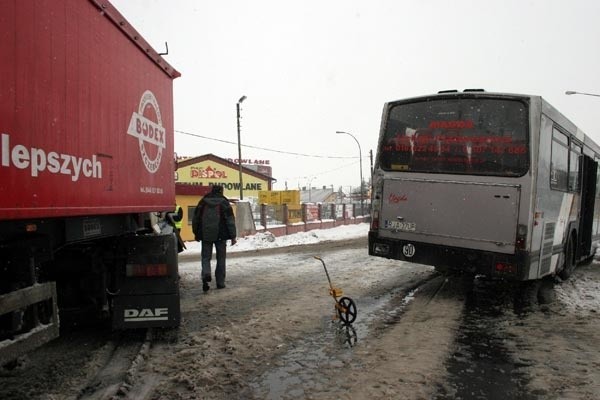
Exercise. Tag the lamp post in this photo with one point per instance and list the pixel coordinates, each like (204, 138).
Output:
(569, 92)
(240, 146)
(361, 175)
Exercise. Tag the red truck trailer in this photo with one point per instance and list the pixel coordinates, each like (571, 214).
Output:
(86, 172)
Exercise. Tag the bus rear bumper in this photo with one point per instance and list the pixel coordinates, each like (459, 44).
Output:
(451, 259)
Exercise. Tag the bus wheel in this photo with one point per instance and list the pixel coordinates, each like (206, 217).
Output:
(526, 296)
(546, 294)
(587, 261)
(569, 264)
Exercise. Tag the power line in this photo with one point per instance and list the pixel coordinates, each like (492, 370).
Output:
(261, 148)
(327, 172)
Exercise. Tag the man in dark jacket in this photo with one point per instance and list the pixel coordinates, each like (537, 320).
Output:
(214, 223)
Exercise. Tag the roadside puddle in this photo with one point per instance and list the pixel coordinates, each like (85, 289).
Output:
(302, 370)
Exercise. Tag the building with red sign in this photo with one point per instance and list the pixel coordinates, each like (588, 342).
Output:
(195, 176)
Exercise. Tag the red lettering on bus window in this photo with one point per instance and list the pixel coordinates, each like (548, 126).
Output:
(402, 147)
(457, 124)
(517, 150)
(399, 139)
(424, 138)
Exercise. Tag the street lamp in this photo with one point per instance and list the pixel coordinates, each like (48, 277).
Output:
(361, 175)
(586, 94)
(240, 146)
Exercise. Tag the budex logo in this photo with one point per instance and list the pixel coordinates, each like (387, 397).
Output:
(150, 133)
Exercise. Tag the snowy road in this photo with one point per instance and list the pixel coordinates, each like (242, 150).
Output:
(270, 335)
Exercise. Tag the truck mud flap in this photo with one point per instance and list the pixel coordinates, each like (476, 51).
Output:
(23, 301)
(132, 312)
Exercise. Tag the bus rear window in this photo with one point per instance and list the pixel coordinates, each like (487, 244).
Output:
(460, 136)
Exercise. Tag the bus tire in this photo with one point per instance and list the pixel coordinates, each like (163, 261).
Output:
(586, 261)
(546, 293)
(526, 296)
(569, 255)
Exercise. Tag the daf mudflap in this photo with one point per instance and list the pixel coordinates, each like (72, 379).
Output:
(147, 285)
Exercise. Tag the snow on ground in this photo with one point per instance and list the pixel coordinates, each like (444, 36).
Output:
(266, 240)
(580, 293)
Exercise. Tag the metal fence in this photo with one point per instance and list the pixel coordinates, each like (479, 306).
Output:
(272, 215)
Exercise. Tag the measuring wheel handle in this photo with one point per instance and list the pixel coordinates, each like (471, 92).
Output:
(335, 292)
(346, 310)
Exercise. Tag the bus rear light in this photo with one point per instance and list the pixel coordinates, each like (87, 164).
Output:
(375, 221)
(137, 270)
(521, 241)
(31, 228)
(505, 268)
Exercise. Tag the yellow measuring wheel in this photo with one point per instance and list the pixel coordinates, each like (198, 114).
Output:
(345, 306)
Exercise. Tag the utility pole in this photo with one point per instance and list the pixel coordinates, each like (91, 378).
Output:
(240, 146)
(361, 175)
(371, 157)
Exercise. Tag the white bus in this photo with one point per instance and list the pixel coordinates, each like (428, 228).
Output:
(501, 185)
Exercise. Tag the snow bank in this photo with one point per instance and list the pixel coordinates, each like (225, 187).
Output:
(265, 240)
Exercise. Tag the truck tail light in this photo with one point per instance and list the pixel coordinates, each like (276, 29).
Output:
(147, 270)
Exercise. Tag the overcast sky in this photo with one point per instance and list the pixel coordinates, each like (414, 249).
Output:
(312, 67)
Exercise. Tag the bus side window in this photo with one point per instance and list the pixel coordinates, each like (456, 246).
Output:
(559, 166)
(574, 160)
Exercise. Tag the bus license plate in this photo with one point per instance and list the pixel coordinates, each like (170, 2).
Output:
(401, 226)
